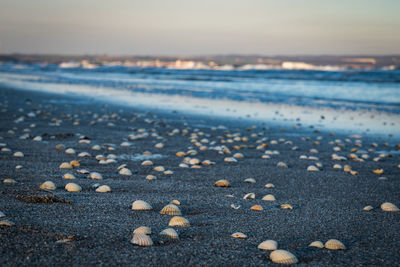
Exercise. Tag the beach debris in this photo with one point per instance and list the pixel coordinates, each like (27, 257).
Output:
(142, 230)
(312, 168)
(250, 180)
(286, 206)
(125, 171)
(249, 196)
(171, 209)
(239, 235)
(18, 154)
(317, 244)
(269, 197)
(65, 165)
(257, 207)
(387, 206)
(141, 205)
(169, 233)
(95, 176)
(48, 185)
(72, 187)
(6, 223)
(222, 183)
(179, 221)
(281, 256)
(103, 189)
(268, 245)
(334, 244)
(9, 181)
(142, 240)
(368, 208)
(269, 185)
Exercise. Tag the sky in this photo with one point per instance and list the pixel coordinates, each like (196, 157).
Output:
(206, 27)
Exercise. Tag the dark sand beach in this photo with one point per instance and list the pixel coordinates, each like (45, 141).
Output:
(89, 228)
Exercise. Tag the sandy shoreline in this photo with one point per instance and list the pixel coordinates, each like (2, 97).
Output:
(327, 204)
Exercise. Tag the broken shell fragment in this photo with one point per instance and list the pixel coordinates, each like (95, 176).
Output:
(222, 183)
(142, 230)
(103, 189)
(239, 235)
(387, 206)
(178, 221)
(268, 245)
(334, 244)
(283, 257)
(171, 209)
(169, 233)
(142, 240)
(286, 207)
(317, 244)
(141, 205)
(269, 197)
(48, 185)
(72, 187)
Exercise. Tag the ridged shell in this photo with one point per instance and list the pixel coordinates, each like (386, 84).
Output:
(317, 244)
(257, 207)
(312, 168)
(141, 205)
(69, 176)
(283, 257)
(171, 209)
(269, 197)
(72, 187)
(48, 185)
(169, 233)
(249, 196)
(142, 240)
(222, 183)
(178, 221)
(387, 206)
(239, 235)
(125, 171)
(95, 176)
(334, 244)
(147, 163)
(65, 165)
(268, 245)
(142, 230)
(368, 208)
(103, 189)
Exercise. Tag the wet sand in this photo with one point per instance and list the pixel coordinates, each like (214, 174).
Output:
(98, 226)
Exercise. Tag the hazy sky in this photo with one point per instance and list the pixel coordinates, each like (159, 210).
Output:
(185, 27)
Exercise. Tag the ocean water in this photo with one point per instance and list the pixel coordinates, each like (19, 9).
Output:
(353, 100)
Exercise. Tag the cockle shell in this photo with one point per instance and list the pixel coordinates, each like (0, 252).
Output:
(257, 207)
(83, 154)
(269, 197)
(268, 245)
(142, 230)
(222, 183)
(18, 154)
(312, 168)
(239, 235)
(171, 209)
(159, 169)
(269, 185)
(250, 180)
(9, 181)
(95, 176)
(387, 206)
(147, 163)
(317, 244)
(178, 221)
(169, 233)
(249, 196)
(151, 177)
(141, 205)
(283, 257)
(180, 154)
(70, 151)
(368, 208)
(142, 240)
(69, 176)
(281, 165)
(103, 189)
(337, 166)
(72, 187)
(334, 244)
(48, 185)
(168, 172)
(125, 171)
(65, 165)
(238, 155)
(176, 202)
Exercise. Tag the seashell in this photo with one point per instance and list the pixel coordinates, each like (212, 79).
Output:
(142, 230)
(303, 157)
(250, 180)
(159, 145)
(222, 183)
(121, 166)
(169, 233)
(72, 187)
(103, 189)
(48, 185)
(334, 244)
(65, 165)
(180, 154)
(238, 155)
(60, 147)
(168, 172)
(207, 162)
(257, 207)
(83, 171)
(281, 165)
(387, 206)
(337, 166)
(141, 205)
(70, 151)
(125, 144)
(9, 181)
(179, 221)
(378, 171)
(368, 208)
(171, 209)
(249, 196)
(235, 207)
(125, 171)
(176, 202)
(268, 245)
(352, 172)
(318, 164)
(230, 159)
(5, 149)
(96, 147)
(6, 223)
(159, 169)
(283, 257)
(95, 176)
(269, 197)
(239, 235)
(194, 161)
(269, 185)
(147, 163)
(75, 163)
(142, 240)
(18, 154)
(151, 177)
(312, 168)
(37, 138)
(286, 206)
(18, 167)
(347, 168)
(317, 244)
(265, 157)
(2, 214)
(183, 165)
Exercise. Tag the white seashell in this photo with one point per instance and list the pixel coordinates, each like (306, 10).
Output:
(142, 240)
(141, 205)
(125, 171)
(95, 176)
(269, 197)
(126, 144)
(283, 257)
(387, 206)
(151, 177)
(147, 163)
(269, 185)
(281, 165)
(37, 138)
(142, 230)
(70, 151)
(6, 223)
(96, 147)
(84, 154)
(159, 145)
(238, 155)
(103, 189)
(178, 221)
(168, 172)
(239, 235)
(48, 185)
(65, 165)
(368, 208)
(222, 183)
(249, 196)
(183, 165)
(303, 157)
(18, 154)
(334, 244)
(159, 169)
(230, 159)
(312, 168)
(71, 187)
(169, 233)
(171, 209)
(268, 245)
(9, 181)
(317, 244)
(250, 180)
